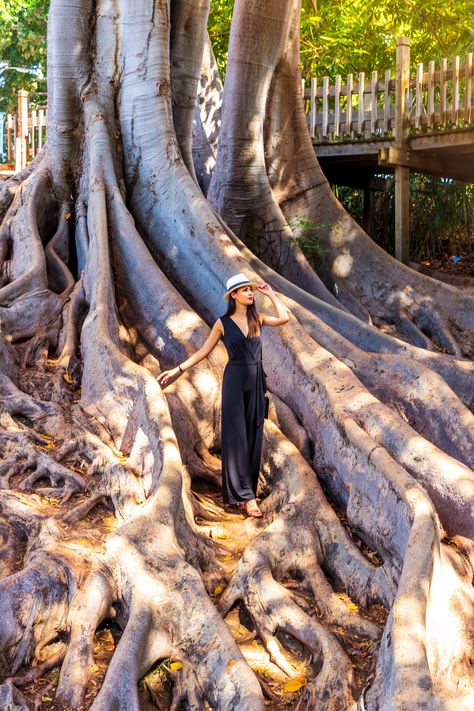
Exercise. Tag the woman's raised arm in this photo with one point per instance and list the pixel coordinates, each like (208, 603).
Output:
(281, 310)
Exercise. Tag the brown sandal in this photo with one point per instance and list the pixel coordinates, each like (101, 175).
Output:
(252, 509)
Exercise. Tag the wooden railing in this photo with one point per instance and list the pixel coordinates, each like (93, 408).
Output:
(24, 133)
(439, 97)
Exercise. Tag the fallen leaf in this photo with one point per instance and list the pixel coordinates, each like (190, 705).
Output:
(225, 558)
(295, 684)
(222, 535)
(175, 666)
(68, 215)
(67, 378)
(218, 590)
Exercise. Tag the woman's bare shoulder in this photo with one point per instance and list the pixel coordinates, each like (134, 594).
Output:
(218, 326)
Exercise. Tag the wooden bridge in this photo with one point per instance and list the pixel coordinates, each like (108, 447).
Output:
(365, 129)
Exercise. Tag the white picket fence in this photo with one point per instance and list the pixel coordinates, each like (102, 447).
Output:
(24, 132)
(440, 97)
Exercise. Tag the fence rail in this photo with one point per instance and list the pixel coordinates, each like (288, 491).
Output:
(24, 133)
(439, 97)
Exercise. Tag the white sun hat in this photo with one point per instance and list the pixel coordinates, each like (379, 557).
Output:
(235, 282)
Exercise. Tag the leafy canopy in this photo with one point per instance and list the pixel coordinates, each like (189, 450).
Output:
(343, 36)
(22, 44)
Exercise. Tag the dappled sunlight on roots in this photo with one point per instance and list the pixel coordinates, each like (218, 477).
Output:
(342, 265)
(181, 322)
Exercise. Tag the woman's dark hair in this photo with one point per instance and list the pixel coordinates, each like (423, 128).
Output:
(252, 316)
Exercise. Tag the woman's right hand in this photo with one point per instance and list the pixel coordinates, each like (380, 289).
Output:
(167, 375)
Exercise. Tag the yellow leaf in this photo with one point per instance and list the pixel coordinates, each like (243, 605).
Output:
(218, 590)
(67, 378)
(222, 535)
(225, 558)
(50, 445)
(352, 607)
(295, 684)
(68, 215)
(175, 666)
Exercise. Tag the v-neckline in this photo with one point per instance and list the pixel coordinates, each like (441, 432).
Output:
(235, 324)
(243, 334)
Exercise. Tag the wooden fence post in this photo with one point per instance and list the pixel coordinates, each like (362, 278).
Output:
(402, 173)
(22, 128)
(350, 87)
(361, 114)
(443, 70)
(312, 109)
(373, 102)
(10, 137)
(42, 123)
(386, 102)
(455, 91)
(325, 106)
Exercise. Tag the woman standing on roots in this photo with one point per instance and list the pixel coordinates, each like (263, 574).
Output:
(243, 387)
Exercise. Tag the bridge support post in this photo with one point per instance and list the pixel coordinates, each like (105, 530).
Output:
(401, 132)
(402, 214)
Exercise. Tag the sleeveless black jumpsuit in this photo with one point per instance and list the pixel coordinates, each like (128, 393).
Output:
(243, 408)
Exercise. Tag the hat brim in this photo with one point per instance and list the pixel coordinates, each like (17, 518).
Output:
(239, 286)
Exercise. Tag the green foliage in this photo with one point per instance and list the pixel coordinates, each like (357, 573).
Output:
(343, 36)
(23, 44)
(218, 26)
(308, 234)
(441, 216)
(359, 35)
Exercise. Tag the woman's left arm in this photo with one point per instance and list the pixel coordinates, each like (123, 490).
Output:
(281, 310)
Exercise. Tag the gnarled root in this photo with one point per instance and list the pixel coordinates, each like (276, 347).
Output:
(272, 608)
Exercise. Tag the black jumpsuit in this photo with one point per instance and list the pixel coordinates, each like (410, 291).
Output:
(243, 407)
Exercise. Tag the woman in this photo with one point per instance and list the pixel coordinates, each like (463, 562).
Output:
(243, 387)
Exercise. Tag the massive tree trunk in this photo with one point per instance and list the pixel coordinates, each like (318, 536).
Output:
(113, 266)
